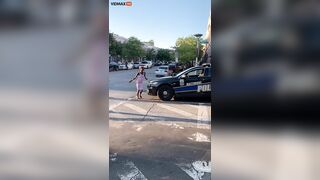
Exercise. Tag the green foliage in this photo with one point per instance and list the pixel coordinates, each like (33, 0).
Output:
(133, 50)
(164, 55)
(151, 42)
(151, 54)
(172, 55)
(115, 47)
(187, 49)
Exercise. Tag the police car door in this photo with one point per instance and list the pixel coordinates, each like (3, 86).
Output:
(205, 87)
(191, 81)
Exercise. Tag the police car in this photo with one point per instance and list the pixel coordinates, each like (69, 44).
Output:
(195, 81)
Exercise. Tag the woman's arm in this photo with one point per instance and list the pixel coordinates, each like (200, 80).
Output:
(133, 78)
(145, 75)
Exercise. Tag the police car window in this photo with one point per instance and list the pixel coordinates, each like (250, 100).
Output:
(207, 72)
(195, 72)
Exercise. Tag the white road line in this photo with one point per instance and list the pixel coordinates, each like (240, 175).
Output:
(131, 172)
(199, 137)
(193, 106)
(136, 108)
(199, 104)
(203, 114)
(119, 104)
(196, 169)
(175, 110)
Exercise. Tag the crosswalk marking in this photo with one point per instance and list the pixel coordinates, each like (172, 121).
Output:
(199, 137)
(175, 110)
(130, 172)
(203, 114)
(197, 169)
(200, 112)
(119, 104)
(136, 108)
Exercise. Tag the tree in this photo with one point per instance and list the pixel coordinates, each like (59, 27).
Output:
(151, 42)
(164, 55)
(133, 49)
(115, 47)
(187, 49)
(172, 55)
(151, 54)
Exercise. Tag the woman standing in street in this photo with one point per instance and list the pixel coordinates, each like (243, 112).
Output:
(141, 75)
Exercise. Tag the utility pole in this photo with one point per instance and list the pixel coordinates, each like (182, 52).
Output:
(198, 47)
(176, 56)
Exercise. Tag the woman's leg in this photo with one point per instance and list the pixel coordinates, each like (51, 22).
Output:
(140, 95)
(137, 94)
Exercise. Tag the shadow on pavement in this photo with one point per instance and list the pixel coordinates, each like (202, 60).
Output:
(161, 169)
(154, 118)
(188, 101)
(194, 100)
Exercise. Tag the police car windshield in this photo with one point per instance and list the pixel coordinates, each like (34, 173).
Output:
(183, 72)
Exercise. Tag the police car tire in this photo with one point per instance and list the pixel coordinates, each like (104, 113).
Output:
(168, 89)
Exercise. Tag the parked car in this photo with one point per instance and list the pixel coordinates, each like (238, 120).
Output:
(124, 66)
(145, 64)
(130, 65)
(136, 65)
(195, 81)
(158, 63)
(172, 69)
(162, 71)
(113, 66)
(151, 63)
(177, 67)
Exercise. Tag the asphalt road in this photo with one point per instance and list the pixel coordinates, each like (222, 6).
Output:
(152, 139)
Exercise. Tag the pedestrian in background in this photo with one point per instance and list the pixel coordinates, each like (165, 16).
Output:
(140, 77)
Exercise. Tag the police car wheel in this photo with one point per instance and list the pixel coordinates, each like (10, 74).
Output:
(165, 93)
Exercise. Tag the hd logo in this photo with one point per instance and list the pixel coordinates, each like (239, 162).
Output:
(204, 88)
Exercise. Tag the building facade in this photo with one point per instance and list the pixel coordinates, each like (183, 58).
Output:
(206, 58)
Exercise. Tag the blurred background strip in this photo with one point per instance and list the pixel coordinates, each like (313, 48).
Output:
(53, 89)
(267, 89)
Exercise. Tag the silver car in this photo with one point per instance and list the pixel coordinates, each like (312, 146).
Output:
(123, 66)
(162, 71)
(136, 65)
(145, 64)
